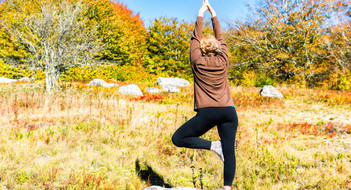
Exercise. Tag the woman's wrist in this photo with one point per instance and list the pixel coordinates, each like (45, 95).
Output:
(201, 14)
(214, 15)
(202, 11)
(213, 12)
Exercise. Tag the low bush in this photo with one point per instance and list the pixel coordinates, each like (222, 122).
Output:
(114, 73)
(13, 72)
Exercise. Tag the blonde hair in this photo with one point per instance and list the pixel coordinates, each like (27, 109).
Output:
(210, 44)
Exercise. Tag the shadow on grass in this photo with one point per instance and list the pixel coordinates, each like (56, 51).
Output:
(149, 175)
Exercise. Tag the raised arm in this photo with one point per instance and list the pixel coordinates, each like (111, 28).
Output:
(218, 32)
(212, 11)
(195, 49)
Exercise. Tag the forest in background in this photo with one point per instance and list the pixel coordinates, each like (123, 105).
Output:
(305, 43)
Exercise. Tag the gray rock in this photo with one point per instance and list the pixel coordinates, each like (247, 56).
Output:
(172, 82)
(175, 188)
(270, 91)
(153, 90)
(24, 79)
(100, 82)
(6, 80)
(130, 89)
(170, 89)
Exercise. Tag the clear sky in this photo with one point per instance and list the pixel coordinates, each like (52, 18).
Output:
(187, 9)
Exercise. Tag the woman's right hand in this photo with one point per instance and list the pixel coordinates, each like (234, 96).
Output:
(212, 11)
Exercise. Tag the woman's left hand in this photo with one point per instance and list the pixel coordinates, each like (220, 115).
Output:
(204, 8)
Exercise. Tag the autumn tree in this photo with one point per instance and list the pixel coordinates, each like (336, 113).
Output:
(338, 39)
(10, 50)
(70, 33)
(168, 47)
(283, 40)
(124, 34)
(55, 35)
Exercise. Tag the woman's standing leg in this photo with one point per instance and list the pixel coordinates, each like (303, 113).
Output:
(227, 132)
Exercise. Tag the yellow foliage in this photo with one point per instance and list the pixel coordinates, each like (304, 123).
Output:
(13, 72)
(114, 73)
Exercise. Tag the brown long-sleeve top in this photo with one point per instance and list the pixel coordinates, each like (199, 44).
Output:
(211, 86)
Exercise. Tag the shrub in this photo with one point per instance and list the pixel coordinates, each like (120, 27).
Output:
(341, 81)
(113, 72)
(13, 72)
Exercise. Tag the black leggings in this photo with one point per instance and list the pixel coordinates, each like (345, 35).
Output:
(227, 123)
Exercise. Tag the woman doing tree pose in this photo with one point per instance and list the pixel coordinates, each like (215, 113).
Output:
(212, 97)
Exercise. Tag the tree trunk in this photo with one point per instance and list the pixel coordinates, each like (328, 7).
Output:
(50, 80)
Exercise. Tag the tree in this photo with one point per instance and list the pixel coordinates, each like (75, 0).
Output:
(55, 34)
(168, 47)
(338, 40)
(123, 32)
(283, 39)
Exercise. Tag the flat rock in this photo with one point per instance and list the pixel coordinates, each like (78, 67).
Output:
(24, 79)
(175, 188)
(7, 81)
(100, 82)
(153, 90)
(172, 82)
(130, 89)
(170, 89)
(270, 91)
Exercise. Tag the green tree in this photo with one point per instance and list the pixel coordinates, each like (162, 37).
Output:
(168, 43)
(168, 47)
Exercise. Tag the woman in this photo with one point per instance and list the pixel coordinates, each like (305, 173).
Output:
(212, 97)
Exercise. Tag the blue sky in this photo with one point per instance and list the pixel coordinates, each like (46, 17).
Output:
(187, 9)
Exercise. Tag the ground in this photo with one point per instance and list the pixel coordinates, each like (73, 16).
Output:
(94, 138)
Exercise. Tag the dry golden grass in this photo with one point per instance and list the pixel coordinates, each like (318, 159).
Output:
(94, 138)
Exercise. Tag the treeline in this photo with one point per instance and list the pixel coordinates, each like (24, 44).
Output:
(304, 42)
(301, 42)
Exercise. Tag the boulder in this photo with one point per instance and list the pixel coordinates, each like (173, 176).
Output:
(175, 188)
(130, 89)
(270, 91)
(24, 79)
(6, 80)
(172, 82)
(100, 82)
(153, 90)
(170, 89)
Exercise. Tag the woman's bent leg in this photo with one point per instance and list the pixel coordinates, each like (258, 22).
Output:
(188, 134)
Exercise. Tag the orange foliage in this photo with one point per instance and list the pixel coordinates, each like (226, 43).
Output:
(134, 19)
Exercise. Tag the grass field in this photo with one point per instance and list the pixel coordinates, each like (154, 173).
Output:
(94, 138)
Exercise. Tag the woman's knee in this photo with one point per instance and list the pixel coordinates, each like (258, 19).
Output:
(176, 139)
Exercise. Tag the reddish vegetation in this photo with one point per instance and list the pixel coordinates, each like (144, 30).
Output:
(251, 98)
(330, 129)
(149, 98)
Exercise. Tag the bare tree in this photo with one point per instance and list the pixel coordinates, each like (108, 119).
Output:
(339, 42)
(283, 39)
(57, 36)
